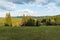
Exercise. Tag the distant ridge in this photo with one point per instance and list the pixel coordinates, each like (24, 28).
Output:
(17, 17)
(34, 16)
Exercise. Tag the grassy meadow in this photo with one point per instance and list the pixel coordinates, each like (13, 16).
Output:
(15, 21)
(30, 33)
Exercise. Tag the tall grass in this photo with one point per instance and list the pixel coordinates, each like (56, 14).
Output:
(15, 21)
(30, 33)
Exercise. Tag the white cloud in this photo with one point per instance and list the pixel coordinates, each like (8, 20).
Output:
(7, 5)
(2, 14)
(40, 1)
(29, 12)
(57, 0)
(51, 6)
(24, 11)
(48, 9)
(51, 9)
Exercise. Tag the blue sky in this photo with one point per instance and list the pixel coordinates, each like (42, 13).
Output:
(30, 7)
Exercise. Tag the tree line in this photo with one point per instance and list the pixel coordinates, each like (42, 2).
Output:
(31, 21)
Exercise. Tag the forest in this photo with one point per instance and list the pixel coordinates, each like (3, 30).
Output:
(30, 20)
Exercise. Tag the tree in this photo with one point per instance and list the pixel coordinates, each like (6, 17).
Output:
(43, 21)
(37, 22)
(8, 21)
(51, 21)
(28, 20)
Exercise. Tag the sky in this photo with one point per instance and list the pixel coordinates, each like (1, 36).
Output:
(30, 7)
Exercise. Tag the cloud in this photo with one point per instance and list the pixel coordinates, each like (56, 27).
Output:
(2, 13)
(38, 7)
(4, 5)
(43, 2)
(35, 2)
(20, 1)
(24, 11)
(29, 12)
(11, 4)
(50, 9)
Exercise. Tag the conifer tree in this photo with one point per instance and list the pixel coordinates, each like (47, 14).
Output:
(8, 21)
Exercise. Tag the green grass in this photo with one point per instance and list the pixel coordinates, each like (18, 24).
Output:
(15, 21)
(30, 33)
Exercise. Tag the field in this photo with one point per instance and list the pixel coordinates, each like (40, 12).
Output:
(17, 32)
(15, 21)
(30, 33)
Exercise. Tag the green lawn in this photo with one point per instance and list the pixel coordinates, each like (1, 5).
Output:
(30, 33)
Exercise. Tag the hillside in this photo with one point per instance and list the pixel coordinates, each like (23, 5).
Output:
(17, 19)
